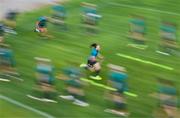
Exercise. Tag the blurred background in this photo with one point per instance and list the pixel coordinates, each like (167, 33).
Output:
(132, 48)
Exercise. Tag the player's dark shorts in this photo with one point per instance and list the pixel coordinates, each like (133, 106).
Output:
(91, 63)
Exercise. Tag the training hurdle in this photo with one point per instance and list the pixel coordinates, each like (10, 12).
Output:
(168, 39)
(137, 31)
(44, 90)
(89, 17)
(7, 63)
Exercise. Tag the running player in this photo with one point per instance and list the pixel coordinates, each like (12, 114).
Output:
(92, 63)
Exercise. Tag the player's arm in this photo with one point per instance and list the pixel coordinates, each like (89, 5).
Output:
(37, 24)
(100, 56)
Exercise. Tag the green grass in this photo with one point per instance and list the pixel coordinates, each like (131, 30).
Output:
(71, 48)
(8, 110)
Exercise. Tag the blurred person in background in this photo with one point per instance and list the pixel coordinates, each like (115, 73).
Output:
(1, 33)
(10, 19)
(41, 25)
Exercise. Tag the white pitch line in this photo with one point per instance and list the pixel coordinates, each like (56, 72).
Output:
(14, 77)
(26, 107)
(164, 53)
(144, 8)
(41, 99)
(4, 80)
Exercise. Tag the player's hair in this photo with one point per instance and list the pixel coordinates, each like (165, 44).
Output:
(94, 45)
